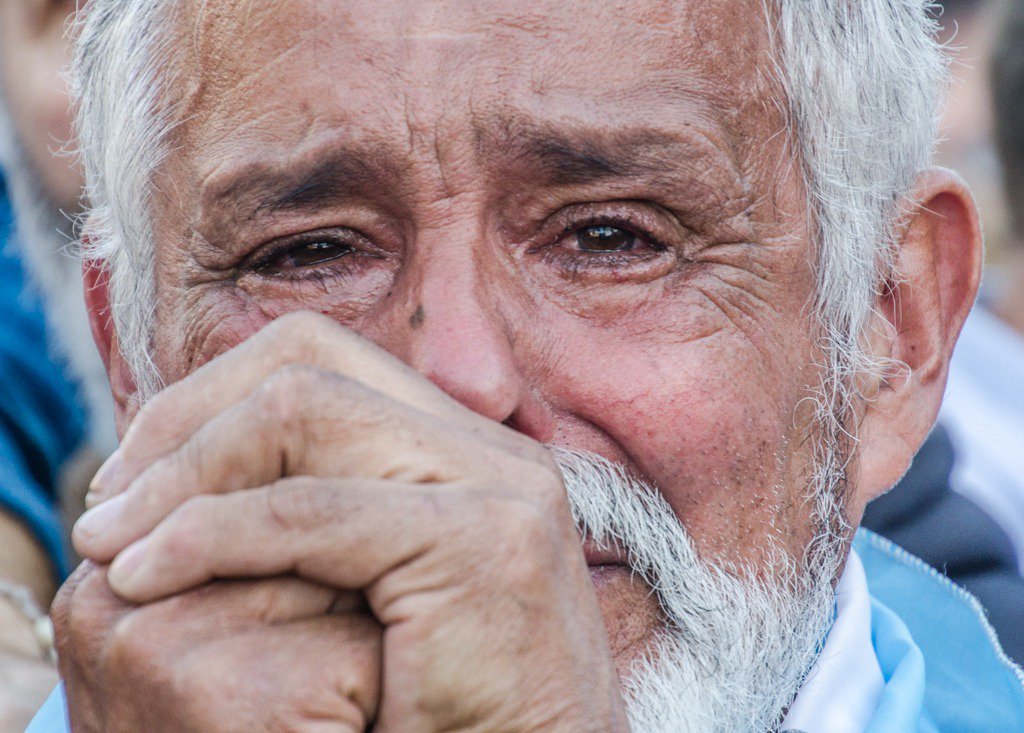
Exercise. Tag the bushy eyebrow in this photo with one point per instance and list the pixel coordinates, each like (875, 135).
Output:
(262, 188)
(541, 154)
(572, 157)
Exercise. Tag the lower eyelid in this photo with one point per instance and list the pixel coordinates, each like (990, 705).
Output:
(581, 259)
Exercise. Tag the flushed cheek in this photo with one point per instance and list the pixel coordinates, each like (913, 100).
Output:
(701, 421)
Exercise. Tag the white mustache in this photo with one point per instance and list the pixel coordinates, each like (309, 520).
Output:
(734, 649)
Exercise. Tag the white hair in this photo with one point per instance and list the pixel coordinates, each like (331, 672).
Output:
(122, 80)
(737, 641)
(862, 81)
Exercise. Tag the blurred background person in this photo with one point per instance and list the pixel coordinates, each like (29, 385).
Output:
(983, 128)
(55, 419)
(1007, 80)
(45, 187)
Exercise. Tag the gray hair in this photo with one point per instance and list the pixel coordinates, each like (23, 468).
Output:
(122, 82)
(862, 79)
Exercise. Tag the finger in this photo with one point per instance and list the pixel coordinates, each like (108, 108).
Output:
(118, 661)
(343, 533)
(88, 616)
(299, 338)
(83, 612)
(84, 608)
(347, 431)
(320, 674)
(233, 606)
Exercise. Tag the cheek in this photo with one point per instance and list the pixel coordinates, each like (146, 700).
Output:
(712, 422)
(207, 323)
(211, 318)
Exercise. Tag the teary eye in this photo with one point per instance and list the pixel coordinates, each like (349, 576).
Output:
(605, 238)
(305, 254)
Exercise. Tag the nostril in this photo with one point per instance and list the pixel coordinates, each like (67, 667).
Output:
(532, 418)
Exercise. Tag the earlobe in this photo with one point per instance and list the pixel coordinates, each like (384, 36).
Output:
(922, 308)
(96, 281)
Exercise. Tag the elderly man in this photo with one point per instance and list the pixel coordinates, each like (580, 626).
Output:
(436, 285)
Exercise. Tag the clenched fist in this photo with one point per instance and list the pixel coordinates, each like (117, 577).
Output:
(307, 518)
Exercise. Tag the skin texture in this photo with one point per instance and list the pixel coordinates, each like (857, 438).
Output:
(447, 155)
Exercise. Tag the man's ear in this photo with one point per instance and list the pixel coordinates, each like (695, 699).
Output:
(96, 282)
(920, 313)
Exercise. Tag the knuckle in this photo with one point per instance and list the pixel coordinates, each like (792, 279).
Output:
(299, 504)
(303, 332)
(287, 390)
(80, 612)
(547, 466)
(125, 637)
(546, 481)
(540, 481)
(184, 530)
(64, 602)
(360, 675)
(136, 647)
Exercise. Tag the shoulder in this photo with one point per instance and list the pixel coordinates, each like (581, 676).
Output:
(970, 682)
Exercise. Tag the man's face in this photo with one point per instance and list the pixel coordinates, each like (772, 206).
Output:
(33, 50)
(576, 217)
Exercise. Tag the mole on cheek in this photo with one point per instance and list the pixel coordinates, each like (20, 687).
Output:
(417, 318)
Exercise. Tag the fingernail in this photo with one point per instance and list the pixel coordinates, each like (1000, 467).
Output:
(102, 484)
(97, 520)
(124, 570)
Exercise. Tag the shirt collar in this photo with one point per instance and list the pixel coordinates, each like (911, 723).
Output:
(842, 690)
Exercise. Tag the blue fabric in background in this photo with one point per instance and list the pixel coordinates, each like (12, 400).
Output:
(41, 420)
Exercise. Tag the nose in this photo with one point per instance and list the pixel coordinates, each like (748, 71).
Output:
(454, 333)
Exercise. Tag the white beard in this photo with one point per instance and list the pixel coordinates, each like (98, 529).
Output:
(735, 650)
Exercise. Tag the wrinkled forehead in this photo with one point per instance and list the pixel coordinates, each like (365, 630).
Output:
(277, 70)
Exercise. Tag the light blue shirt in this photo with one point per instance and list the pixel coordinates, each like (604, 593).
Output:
(942, 666)
(841, 692)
